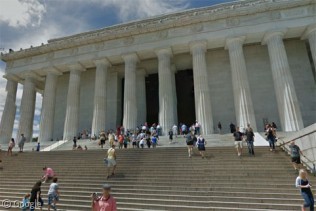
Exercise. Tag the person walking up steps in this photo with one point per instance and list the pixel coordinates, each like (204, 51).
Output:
(10, 147)
(53, 195)
(111, 161)
(189, 140)
(36, 199)
(305, 187)
(201, 146)
(238, 141)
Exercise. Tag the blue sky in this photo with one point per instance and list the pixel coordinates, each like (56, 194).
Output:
(31, 22)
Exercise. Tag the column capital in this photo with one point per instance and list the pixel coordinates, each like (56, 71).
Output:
(164, 51)
(102, 62)
(233, 40)
(32, 76)
(310, 29)
(76, 67)
(52, 71)
(270, 34)
(12, 77)
(141, 72)
(198, 45)
(130, 57)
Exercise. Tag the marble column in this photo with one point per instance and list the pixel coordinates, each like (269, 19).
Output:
(99, 111)
(141, 96)
(130, 97)
(166, 97)
(8, 114)
(288, 105)
(310, 34)
(48, 107)
(242, 96)
(27, 109)
(174, 92)
(73, 99)
(203, 108)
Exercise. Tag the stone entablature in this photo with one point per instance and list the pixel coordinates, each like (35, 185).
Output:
(146, 34)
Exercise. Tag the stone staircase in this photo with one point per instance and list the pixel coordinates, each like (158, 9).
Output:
(160, 179)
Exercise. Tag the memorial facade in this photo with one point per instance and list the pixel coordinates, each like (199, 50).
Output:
(243, 62)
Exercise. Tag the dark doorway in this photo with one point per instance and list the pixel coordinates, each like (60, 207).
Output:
(152, 98)
(185, 96)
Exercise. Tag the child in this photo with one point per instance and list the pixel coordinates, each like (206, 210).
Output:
(26, 202)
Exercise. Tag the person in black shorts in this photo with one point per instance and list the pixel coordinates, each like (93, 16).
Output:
(295, 155)
(201, 146)
(190, 142)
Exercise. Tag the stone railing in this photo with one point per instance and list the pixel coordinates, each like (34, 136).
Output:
(306, 140)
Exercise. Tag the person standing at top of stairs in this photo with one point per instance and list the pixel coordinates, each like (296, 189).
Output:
(21, 143)
(238, 141)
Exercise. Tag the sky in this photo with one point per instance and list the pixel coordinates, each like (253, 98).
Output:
(31, 22)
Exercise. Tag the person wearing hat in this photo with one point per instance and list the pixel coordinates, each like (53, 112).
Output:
(106, 202)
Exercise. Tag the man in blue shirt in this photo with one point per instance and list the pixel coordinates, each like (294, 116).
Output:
(295, 155)
(154, 141)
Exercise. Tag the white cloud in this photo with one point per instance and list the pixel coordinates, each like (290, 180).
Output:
(134, 9)
(21, 12)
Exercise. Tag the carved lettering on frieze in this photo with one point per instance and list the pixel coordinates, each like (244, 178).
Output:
(275, 15)
(232, 21)
(197, 27)
(162, 34)
(128, 40)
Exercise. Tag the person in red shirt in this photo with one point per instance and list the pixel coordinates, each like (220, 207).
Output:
(121, 141)
(106, 202)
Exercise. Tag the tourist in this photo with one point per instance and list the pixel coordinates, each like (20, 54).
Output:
(121, 141)
(154, 141)
(25, 205)
(189, 141)
(274, 126)
(305, 187)
(197, 127)
(36, 199)
(175, 130)
(183, 129)
(106, 202)
(10, 147)
(111, 161)
(170, 135)
(102, 138)
(21, 143)
(38, 147)
(48, 174)
(219, 127)
(74, 140)
(134, 140)
(295, 155)
(250, 140)
(232, 128)
(148, 141)
(53, 195)
(192, 129)
(85, 147)
(142, 143)
(238, 141)
(111, 138)
(79, 147)
(270, 133)
(126, 141)
(201, 146)
(159, 129)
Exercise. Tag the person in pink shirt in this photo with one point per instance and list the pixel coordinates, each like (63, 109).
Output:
(106, 202)
(48, 174)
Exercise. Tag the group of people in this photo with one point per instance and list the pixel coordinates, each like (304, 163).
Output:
(34, 200)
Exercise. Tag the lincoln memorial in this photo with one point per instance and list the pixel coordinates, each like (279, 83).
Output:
(242, 62)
